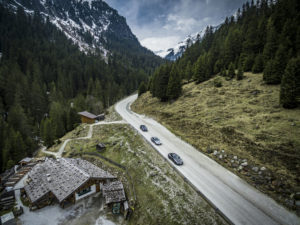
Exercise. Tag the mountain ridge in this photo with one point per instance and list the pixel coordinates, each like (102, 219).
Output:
(92, 24)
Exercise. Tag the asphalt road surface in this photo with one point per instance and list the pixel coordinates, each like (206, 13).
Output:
(238, 201)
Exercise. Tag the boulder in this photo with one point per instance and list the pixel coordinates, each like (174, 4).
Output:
(244, 164)
(263, 168)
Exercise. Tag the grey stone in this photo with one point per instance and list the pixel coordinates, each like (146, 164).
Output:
(234, 165)
(263, 168)
(232, 161)
(244, 164)
(244, 160)
(221, 156)
(215, 152)
(255, 169)
(235, 157)
(222, 151)
(240, 168)
(293, 124)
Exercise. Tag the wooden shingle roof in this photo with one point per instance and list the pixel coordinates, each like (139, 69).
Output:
(61, 177)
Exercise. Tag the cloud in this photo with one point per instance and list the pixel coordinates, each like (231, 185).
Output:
(161, 22)
(160, 43)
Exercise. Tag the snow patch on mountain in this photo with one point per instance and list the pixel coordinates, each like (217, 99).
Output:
(88, 23)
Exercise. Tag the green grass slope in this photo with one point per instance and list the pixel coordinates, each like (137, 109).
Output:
(241, 121)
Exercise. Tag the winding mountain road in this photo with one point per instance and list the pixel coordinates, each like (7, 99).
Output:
(238, 202)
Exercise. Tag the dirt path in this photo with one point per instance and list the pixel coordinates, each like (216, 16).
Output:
(89, 135)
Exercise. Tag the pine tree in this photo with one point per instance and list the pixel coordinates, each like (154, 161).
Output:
(288, 88)
(174, 84)
(271, 44)
(142, 89)
(200, 69)
(188, 71)
(240, 73)
(162, 81)
(48, 134)
(231, 71)
(223, 72)
(280, 61)
(270, 75)
(248, 63)
(258, 66)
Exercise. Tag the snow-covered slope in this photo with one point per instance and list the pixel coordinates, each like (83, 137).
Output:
(92, 24)
(176, 52)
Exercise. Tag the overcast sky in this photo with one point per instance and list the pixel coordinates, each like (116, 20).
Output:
(161, 24)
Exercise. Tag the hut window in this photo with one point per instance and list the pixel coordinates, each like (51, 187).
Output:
(84, 191)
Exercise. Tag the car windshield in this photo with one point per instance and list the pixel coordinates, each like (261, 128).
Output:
(176, 156)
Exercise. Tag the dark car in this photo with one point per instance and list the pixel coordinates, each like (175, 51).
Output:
(175, 158)
(143, 128)
(155, 140)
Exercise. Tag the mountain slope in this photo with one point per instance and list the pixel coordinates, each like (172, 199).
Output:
(240, 125)
(45, 80)
(93, 24)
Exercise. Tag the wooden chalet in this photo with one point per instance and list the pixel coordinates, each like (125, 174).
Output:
(64, 181)
(87, 117)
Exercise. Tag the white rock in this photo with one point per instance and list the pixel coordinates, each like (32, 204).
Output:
(235, 157)
(244, 164)
(215, 152)
(263, 168)
(255, 169)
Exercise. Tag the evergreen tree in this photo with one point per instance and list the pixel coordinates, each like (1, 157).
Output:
(142, 89)
(240, 73)
(280, 61)
(162, 81)
(223, 72)
(258, 66)
(271, 44)
(270, 73)
(188, 71)
(174, 84)
(231, 71)
(200, 69)
(288, 88)
(48, 132)
(248, 63)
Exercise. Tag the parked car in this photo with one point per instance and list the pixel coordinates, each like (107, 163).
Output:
(143, 128)
(155, 140)
(175, 158)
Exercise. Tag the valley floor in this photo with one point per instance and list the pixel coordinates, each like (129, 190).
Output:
(162, 196)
